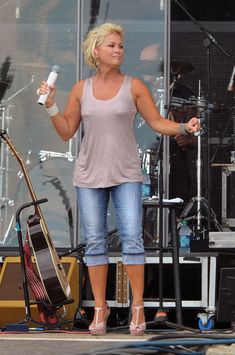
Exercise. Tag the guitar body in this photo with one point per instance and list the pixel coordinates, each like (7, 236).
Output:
(50, 268)
(51, 271)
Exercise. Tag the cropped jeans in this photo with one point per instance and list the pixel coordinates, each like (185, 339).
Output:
(93, 206)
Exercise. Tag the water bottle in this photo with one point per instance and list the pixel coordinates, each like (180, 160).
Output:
(185, 234)
(146, 186)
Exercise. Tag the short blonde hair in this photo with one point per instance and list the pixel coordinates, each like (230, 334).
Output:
(94, 39)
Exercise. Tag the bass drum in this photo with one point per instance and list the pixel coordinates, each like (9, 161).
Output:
(52, 179)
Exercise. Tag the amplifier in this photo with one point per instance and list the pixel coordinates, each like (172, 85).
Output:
(12, 303)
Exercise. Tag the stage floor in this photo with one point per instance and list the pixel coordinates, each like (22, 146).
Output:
(73, 343)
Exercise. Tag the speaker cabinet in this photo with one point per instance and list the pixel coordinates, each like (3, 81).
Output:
(12, 304)
(226, 299)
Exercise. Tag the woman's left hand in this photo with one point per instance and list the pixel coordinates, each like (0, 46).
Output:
(193, 125)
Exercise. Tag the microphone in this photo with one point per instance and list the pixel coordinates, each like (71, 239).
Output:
(50, 81)
(231, 85)
(161, 5)
(17, 11)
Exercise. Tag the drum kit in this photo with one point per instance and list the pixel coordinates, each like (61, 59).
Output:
(201, 108)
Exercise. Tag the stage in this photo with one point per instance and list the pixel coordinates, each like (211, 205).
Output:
(189, 70)
(75, 343)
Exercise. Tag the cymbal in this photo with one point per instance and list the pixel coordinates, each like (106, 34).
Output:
(155, 67)
(198, 103)
(180, 67)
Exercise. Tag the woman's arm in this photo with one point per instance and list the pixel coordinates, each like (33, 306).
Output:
(65, 124)
(148, 110)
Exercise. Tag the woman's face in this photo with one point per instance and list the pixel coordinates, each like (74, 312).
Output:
(111, 51)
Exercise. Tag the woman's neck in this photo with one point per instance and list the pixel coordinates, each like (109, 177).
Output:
(107, 75)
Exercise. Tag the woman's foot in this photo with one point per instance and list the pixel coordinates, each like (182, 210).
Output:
(138, 325)
(98, 325)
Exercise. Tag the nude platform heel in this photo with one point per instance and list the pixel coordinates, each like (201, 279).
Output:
(137, 329)
(99, 328)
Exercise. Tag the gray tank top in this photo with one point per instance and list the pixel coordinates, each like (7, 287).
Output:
(108, 154)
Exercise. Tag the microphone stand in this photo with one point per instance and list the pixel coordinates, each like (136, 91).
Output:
(208, 34)
(207, 44)
(161, 314)
(160, 198)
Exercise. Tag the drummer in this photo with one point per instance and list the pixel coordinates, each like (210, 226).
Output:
(181, 165)
(181, 176)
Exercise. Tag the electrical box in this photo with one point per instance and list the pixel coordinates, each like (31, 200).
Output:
(228, 196)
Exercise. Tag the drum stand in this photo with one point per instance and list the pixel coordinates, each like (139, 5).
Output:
(44, 154)
(4, 168)
(199, 201)
(5, 201)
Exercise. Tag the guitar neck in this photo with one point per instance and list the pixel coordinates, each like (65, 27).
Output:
(50, 269)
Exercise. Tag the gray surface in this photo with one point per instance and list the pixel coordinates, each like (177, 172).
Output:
(59, 344)
(73, 343)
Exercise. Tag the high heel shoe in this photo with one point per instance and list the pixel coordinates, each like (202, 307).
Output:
(136, 328)
(99, 328)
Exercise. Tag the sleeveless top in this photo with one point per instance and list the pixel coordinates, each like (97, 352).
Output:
(108, 154)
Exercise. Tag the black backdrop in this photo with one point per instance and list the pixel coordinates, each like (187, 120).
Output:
(204, 10)
(187, 45)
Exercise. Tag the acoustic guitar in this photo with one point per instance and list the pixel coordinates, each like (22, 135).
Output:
(50, 268)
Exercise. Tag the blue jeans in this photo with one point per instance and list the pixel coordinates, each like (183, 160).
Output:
(93, 206)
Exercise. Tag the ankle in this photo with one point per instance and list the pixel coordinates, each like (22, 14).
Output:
(137, 306)
(101, 303)
(100, 314)
(101, 306)
(138, 314)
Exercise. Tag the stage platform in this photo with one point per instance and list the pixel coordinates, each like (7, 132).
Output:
(74, 343)
(204, 279)
(200, 277)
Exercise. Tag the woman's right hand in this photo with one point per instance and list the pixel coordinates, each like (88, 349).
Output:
(44, 88)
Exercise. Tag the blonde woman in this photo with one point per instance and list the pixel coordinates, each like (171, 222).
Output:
(108, 164)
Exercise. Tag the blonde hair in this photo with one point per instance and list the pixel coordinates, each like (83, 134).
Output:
(94, 39)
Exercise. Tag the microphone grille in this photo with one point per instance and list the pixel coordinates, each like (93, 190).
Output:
(56, 69)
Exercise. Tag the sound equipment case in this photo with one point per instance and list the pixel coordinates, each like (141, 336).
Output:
(200, 283)
(227, 200)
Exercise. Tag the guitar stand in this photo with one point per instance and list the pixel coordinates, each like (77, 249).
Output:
(40, 325)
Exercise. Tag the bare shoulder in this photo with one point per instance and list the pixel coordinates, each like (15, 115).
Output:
(136, 82)
(138, 87)
(77, 89)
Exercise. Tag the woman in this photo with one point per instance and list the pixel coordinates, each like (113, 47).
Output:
(108, 162)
